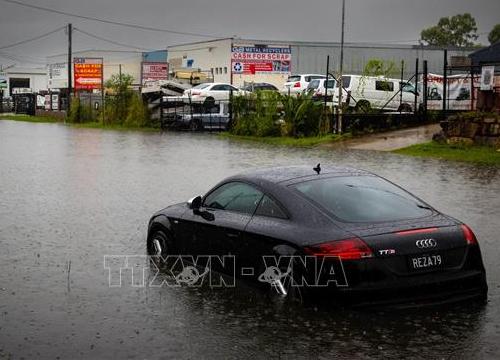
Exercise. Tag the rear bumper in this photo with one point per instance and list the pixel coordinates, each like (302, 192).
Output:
(444, 288)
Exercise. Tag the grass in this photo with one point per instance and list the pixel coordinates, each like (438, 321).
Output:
(483, 155)
(29, 118)
(287, 140)
(90, 125)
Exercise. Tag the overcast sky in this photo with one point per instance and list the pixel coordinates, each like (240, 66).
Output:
(316, 20)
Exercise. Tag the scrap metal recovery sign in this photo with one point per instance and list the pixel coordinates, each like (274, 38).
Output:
(253, 59)
(88, 73)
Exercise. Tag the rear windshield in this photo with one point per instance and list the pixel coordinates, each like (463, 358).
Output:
(293, 78)
(362, 199)
(313, 84)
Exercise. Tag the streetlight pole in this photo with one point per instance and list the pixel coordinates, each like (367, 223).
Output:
(341, 69)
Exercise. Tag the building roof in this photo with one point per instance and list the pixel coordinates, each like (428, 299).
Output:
(490, 54)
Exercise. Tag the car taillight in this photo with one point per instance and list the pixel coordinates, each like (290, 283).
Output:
(469, 235)
(348, 249)
(297, 84)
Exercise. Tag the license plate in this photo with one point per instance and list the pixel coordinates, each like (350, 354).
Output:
(424, 262)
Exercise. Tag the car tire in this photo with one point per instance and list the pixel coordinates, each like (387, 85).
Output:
(195, 125)
(405, 108)
(363, 106)
(159, 244)
(209, 103)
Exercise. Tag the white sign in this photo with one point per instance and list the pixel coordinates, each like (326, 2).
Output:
(57, 75)
(487, 78)
(459, 93)
(3, 80)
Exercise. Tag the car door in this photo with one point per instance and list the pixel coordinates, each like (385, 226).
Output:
(219, 92)
(229, 208)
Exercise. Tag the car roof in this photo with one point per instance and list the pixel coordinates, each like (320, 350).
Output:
(282, 174)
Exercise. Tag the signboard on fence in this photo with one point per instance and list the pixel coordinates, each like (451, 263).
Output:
(57, 75)
(487, 78)
(88, 73)
(3, 81)
(256, 59)
(153, 71)
(459, 91)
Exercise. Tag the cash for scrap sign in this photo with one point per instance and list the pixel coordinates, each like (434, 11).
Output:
(87, 73)
(250, 60)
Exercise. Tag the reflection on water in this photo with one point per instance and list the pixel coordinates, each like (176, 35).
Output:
(75, 195)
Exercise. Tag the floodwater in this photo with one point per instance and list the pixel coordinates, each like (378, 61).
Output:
(70, 196)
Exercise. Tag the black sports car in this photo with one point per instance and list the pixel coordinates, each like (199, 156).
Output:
(342, 235)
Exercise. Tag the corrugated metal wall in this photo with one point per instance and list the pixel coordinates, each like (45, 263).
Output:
(309, 58)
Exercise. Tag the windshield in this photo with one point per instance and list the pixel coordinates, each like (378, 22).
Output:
(293, 78)
(363, 199)
(201, 86)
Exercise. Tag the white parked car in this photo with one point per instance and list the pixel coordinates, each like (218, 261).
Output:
(210, 92)
(296, 84)
(370, 92)
(322, 87)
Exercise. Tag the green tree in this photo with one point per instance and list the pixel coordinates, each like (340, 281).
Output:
(494, 35)
(118, 102)
(459, 30)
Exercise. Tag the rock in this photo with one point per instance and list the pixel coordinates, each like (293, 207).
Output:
(456, 140)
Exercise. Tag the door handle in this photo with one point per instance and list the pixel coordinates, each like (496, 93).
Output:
(233, 234)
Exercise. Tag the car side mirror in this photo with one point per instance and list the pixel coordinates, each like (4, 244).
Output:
(194, 203)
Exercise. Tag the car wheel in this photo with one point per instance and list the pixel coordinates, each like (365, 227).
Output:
(195, 125)
(405, 108)
(159, 244)
(209, 103)
(363, 106)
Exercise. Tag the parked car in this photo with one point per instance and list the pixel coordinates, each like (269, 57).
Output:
(322, 87)
(259, 86)
(296, 84)
(370, 92)
(381, 244)
(211, 92)
(215, 117)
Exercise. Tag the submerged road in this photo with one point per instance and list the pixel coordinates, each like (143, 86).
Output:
(70, 196)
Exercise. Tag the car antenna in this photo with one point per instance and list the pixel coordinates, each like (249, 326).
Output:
(317, 169)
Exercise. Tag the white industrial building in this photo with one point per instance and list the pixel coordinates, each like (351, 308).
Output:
(23, 79)
(237, 61)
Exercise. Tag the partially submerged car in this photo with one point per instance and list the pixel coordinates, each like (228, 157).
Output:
(215, 117)
(348, 237)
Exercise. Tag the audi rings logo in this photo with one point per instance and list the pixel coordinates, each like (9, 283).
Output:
(426, 243)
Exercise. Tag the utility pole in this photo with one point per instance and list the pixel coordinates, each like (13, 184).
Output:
(341, 69)
(70, 55)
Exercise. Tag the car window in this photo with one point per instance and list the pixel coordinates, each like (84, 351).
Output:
(383, 85)
(293, 78)
(201, 86)
(269, 208)
(363, 199)
(329, 84)
(346, 81)
(407, 87)
(219, 87)
(234, 196)
(313, 84)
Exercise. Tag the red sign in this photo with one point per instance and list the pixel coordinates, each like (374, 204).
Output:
(255, 66)
(152, 71)
(88, 73)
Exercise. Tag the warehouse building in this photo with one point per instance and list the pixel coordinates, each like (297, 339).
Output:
(245, 60)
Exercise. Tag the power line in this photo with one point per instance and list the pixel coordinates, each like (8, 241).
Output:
(110, 41)
(32, 39)
(130, 25)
